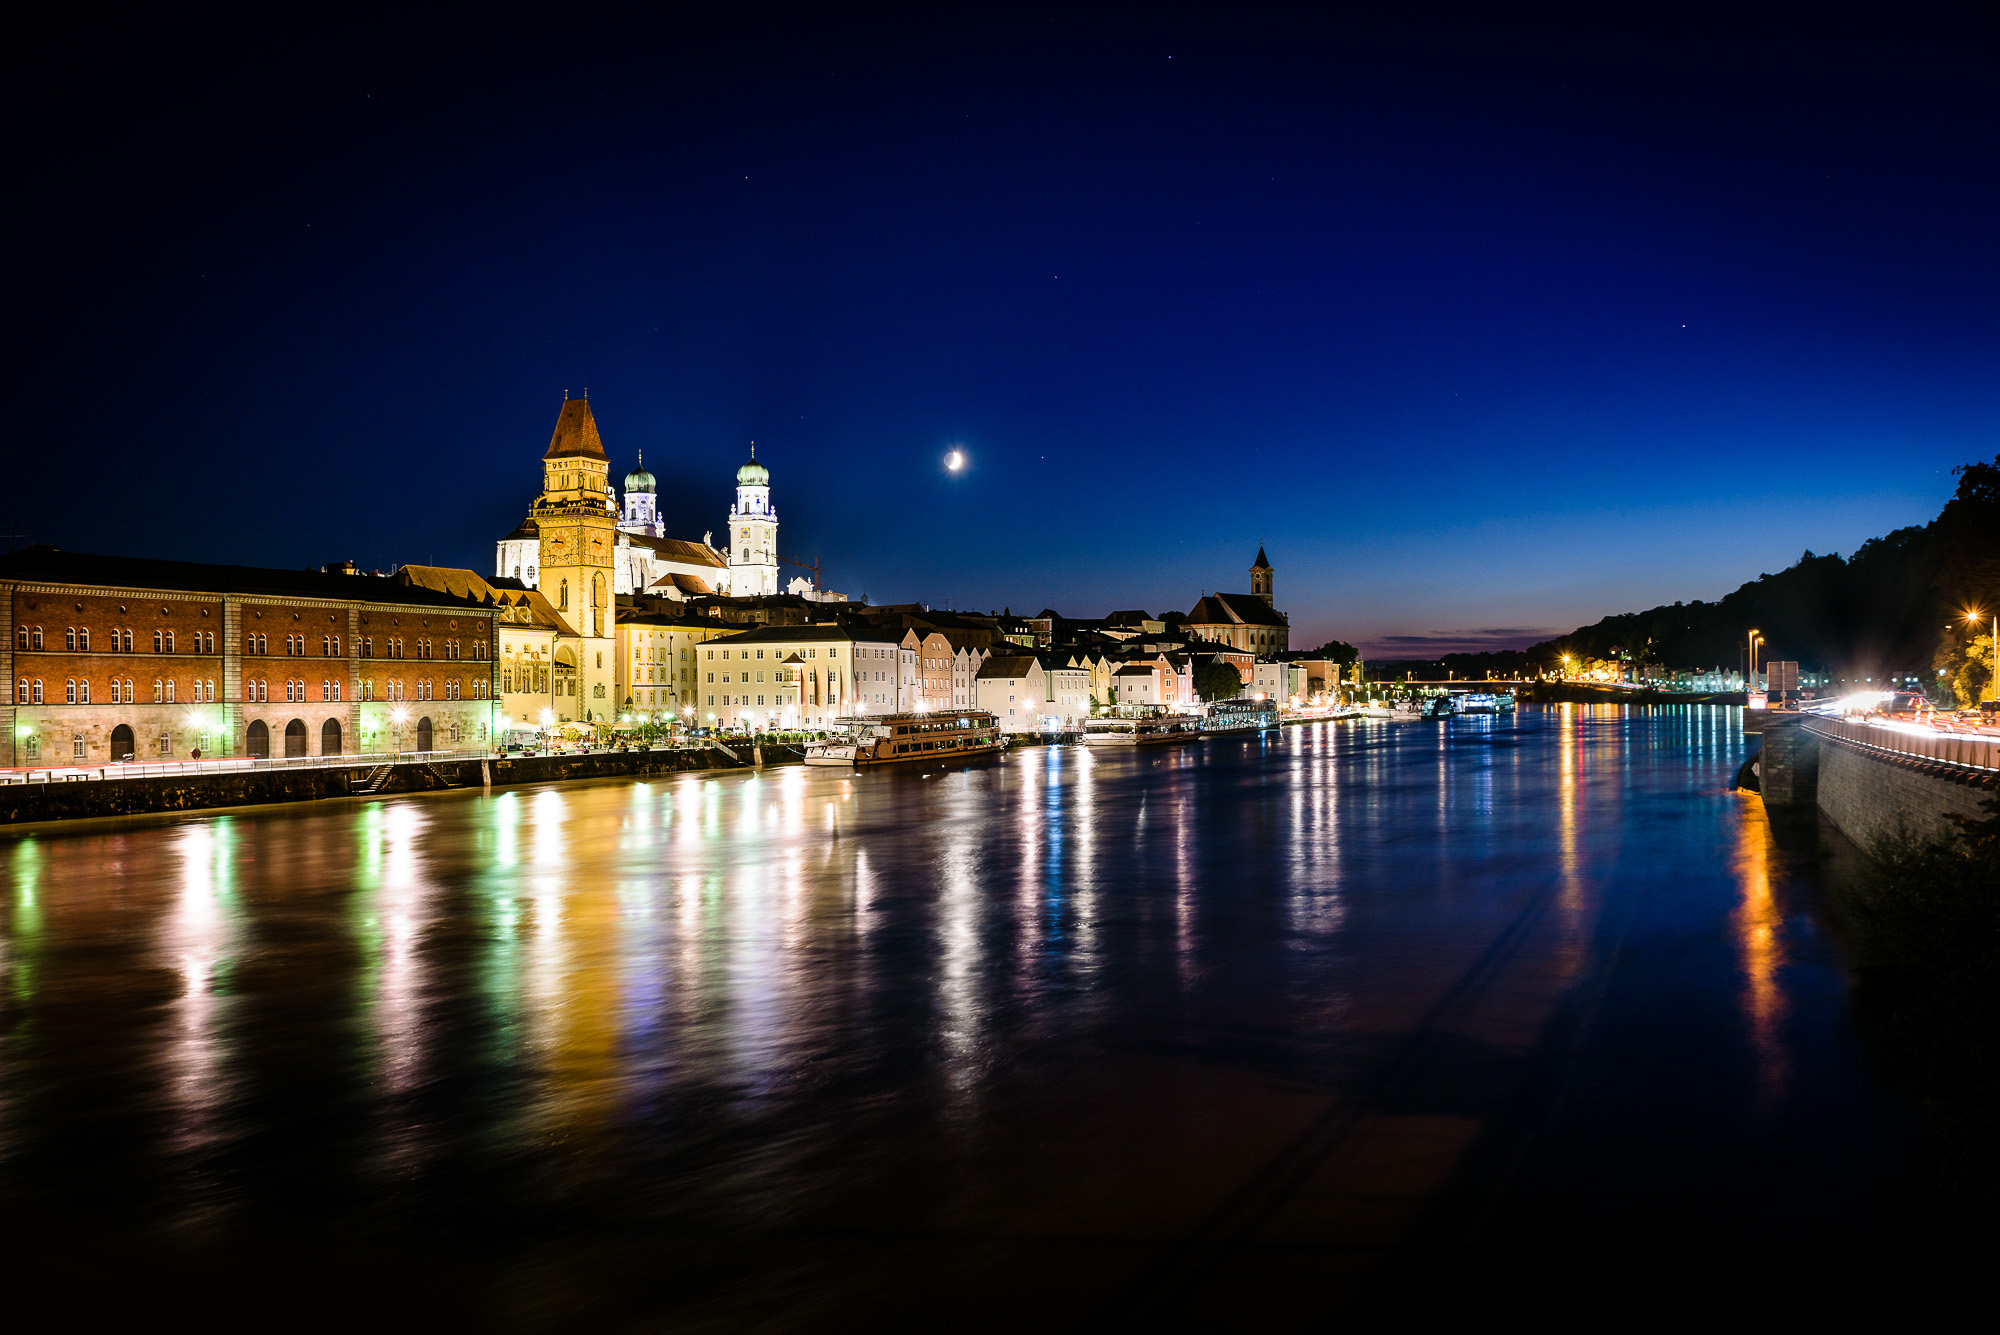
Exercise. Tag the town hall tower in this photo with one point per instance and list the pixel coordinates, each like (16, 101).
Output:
(577, 525)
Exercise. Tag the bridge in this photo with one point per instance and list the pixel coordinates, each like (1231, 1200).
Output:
(1875, 779)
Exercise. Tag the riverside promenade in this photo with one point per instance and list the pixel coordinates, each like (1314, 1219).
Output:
(51, 794)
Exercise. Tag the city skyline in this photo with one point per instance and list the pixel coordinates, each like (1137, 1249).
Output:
(1484, 331)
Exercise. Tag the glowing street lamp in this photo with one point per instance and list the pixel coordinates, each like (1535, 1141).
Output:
(1973, 618)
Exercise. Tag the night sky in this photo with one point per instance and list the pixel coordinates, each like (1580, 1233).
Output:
(1484, 326)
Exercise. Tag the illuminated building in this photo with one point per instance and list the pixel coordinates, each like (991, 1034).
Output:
(802, 676)
(659, 662)
(107, 657)
(1244, 621)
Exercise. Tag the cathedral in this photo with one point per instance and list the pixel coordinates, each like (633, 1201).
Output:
(578, 539)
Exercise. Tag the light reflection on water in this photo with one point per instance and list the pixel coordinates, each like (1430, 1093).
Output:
(982, 1000)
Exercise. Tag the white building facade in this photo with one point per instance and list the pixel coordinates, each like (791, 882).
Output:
(783, 677)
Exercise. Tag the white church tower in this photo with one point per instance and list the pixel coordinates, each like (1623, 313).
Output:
(642, 512)
(753, 533)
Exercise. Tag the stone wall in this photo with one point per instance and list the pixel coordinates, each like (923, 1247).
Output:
(1788, 764)
(78, 799)
(1869, 794)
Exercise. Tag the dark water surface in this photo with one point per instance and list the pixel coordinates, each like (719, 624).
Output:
(1349, 1021)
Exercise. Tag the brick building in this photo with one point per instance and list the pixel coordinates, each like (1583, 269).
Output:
(106, 657)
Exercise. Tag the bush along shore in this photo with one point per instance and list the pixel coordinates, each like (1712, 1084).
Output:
(1923, 917)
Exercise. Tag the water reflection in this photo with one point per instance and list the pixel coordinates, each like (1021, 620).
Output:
(199, 937)
(985, 1004)
(1758, 924)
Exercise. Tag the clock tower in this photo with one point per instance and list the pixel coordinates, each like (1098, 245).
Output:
(753, 533)
(578, 529)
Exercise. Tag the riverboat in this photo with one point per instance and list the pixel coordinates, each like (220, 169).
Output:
(1241, 715)
(900, 739)
(1141, 727)
(1482, 702)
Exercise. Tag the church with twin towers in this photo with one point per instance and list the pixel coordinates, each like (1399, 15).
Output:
(582, 544)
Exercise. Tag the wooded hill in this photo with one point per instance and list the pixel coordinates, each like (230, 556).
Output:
(1883, 611)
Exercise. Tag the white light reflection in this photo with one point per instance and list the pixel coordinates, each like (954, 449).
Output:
(199, 937)
(959, 1003)
(401, 903)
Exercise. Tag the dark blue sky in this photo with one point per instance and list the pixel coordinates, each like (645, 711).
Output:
(1485, 326)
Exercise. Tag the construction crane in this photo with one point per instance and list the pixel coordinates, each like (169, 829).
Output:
(812, 565)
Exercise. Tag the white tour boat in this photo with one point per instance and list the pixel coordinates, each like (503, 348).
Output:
(1241, 715)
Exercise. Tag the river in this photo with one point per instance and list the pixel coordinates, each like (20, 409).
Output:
(1350, 1019)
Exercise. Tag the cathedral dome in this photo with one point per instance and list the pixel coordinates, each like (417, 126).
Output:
(753, 474)
(639, 479)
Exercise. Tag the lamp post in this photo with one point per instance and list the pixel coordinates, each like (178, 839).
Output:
(1755, 642)
(1993, 673)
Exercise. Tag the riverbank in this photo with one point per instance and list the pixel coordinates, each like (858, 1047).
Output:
(22, 804)
(1923, 916)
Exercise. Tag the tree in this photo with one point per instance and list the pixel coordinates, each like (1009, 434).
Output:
(1218, 679)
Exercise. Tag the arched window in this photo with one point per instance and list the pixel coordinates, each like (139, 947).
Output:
(21, 692)
(170, 690)
(159, 690)
(38, 637)
(76, 745)
(83, 692)
(562, 599)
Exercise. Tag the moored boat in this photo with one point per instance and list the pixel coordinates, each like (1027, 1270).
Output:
(902, 738)
(1241, 715)
(1141, 726)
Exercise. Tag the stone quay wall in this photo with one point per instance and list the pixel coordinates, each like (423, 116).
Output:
(1868, 794)
(81, 799)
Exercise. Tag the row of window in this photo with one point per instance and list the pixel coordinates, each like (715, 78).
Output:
(77, 640)
(29, 691)
(807, 653)
(736, 700)
(32, 691)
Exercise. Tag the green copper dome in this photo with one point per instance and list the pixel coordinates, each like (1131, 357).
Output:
(639, 479)
(753, 474)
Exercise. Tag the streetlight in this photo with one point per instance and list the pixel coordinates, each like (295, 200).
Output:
(1755, 642)
(1993, 675)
